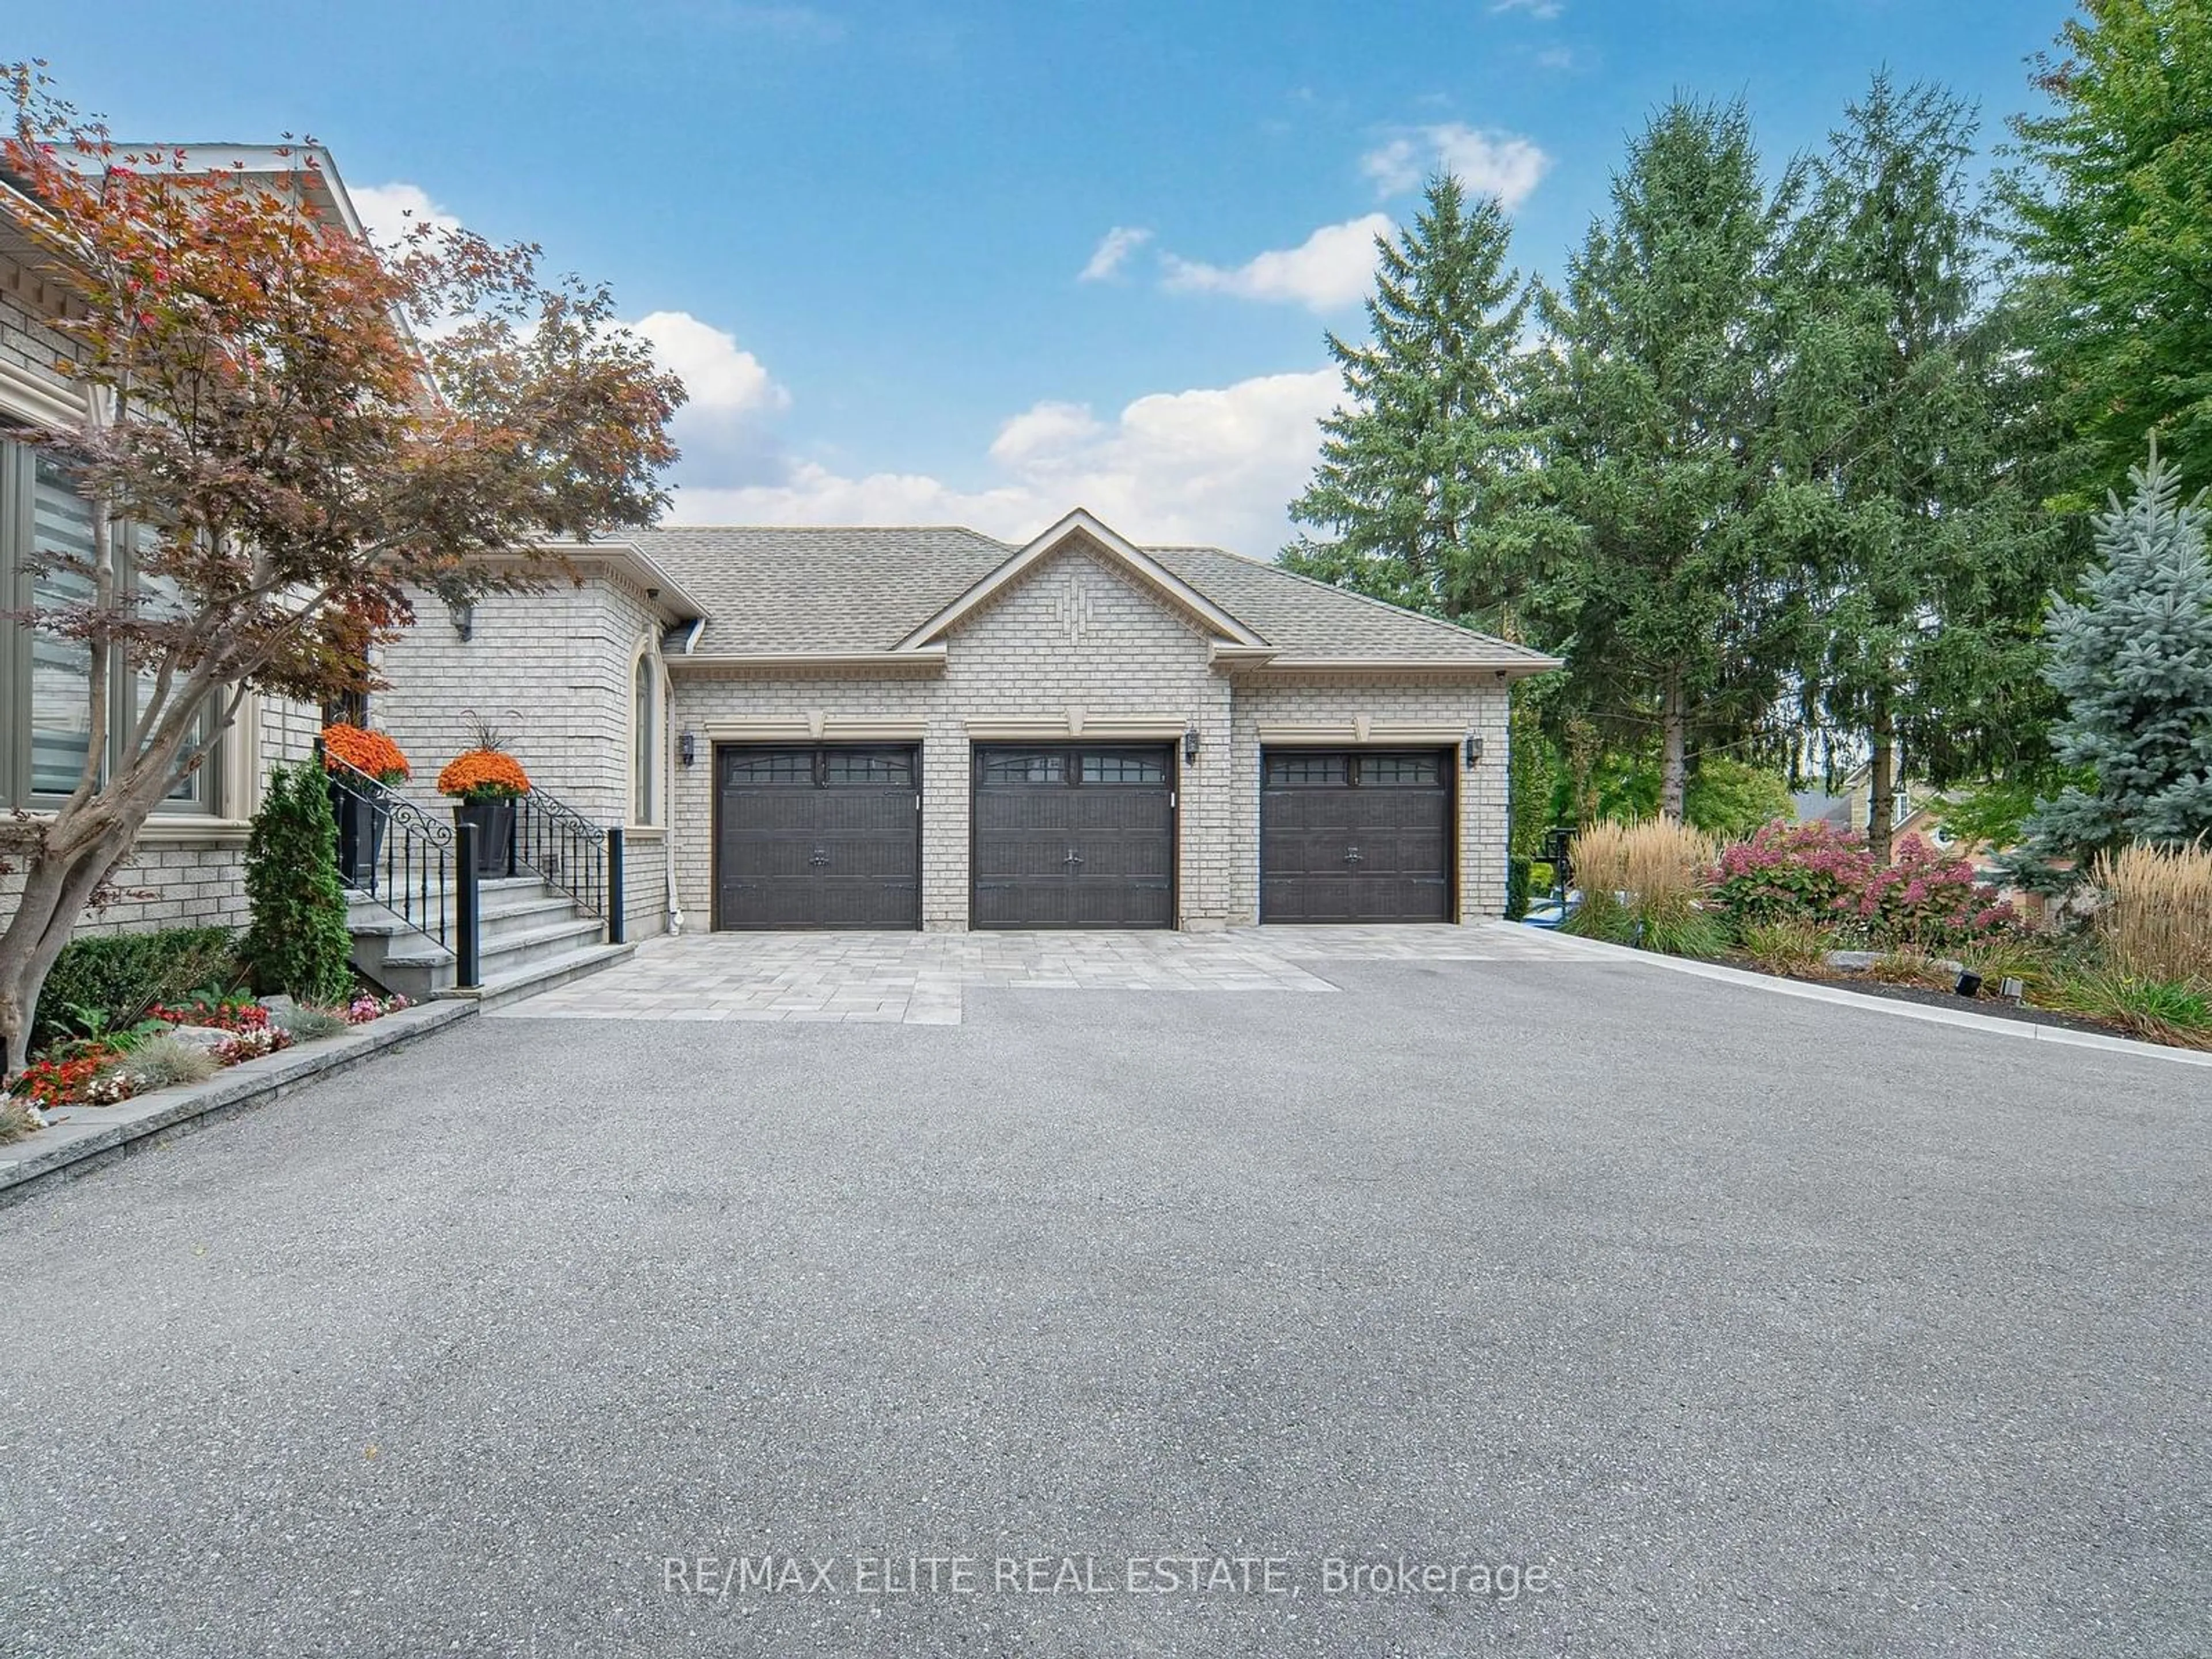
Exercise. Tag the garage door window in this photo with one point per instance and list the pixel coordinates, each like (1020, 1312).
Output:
(1296, 771)
(784, 765)
(1399, 771)
(1308, 771)
(1150, 770)
(1014, 766)
(893, 771)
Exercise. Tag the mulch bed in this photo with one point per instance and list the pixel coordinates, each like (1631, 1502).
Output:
(1996, 1007)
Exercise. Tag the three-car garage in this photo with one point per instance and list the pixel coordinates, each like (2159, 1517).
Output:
(1073, 834)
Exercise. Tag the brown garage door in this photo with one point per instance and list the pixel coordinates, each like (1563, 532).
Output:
(1355, 836)
(821, 837)
(1074, 835)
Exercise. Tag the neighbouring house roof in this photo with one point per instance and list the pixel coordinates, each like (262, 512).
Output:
(1817, 804)
(898, 590)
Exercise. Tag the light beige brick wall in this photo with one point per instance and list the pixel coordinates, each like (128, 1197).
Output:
(1076, 633)
(166, 886)
(552, 670)
(189, 870)
(27, 340)
(645, 882)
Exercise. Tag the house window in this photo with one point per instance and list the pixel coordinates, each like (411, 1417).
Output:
(46, 681)
(61, 669)
(644, 735)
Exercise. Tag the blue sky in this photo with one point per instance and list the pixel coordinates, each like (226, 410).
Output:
(862, 230)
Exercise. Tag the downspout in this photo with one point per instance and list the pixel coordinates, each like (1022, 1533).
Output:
(668, 842)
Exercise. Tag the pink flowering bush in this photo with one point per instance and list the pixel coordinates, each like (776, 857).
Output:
(1818, 873)
(1806, 871)
(1929, 896)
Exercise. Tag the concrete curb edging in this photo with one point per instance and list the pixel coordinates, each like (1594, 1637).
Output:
(83, 1138)
(1791, 987)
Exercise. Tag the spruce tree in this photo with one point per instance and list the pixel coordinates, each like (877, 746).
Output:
(2133, 659)
(2112, 210)
(1929, 558)
(1422, 468)
(1658, 402)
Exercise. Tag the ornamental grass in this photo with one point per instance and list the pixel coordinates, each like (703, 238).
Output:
(484, 774)
(2156, 920)
(364, 751)
(1642, 885)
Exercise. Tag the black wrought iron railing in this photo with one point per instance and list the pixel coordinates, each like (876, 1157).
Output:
(407, 861)
(569, 852)
(563, 848)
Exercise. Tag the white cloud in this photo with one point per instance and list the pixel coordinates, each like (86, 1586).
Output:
(1113, 250)
(387, 211)
(1330, 268)
(1489, 163)
(1214, 464)
(725, 429)
(1542, 11)
(721, 377)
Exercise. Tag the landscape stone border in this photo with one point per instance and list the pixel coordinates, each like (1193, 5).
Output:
(82, 1138)
(1921, 1011)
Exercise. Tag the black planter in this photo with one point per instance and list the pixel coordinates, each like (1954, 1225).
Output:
(360, 837)
(495, 822)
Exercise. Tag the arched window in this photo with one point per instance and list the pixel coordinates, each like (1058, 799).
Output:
(645, 735)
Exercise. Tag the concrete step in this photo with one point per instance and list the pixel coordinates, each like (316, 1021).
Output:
(541, 974)
(522, 921)
(515, 951)
(494, 911)
(415, 966)
(491, 896)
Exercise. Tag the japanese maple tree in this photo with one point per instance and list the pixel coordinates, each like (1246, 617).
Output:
(294, 429)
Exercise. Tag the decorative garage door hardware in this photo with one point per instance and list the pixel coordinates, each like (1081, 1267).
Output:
(1355, 836)
(1074, 835)
(818, 835)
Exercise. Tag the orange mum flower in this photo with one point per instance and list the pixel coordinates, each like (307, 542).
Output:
(365, 751)
(484, 774)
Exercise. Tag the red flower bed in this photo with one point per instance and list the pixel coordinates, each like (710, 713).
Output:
(229, 1015)
(47, 1084)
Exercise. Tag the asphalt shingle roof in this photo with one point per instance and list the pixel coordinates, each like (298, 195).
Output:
(785, 589)
(777, 589)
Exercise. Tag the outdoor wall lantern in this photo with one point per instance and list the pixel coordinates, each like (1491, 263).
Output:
(687, 748)
(1190, 741)
(1473, 751)
(464, 615)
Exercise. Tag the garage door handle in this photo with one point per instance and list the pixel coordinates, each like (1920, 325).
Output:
(1352, 855)
(1073, 857)
(821, 856)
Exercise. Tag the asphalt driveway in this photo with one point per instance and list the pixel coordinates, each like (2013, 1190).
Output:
(1658, 1316)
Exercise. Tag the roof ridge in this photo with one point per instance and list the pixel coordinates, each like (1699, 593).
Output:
(1400, 610)
(840, 529)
